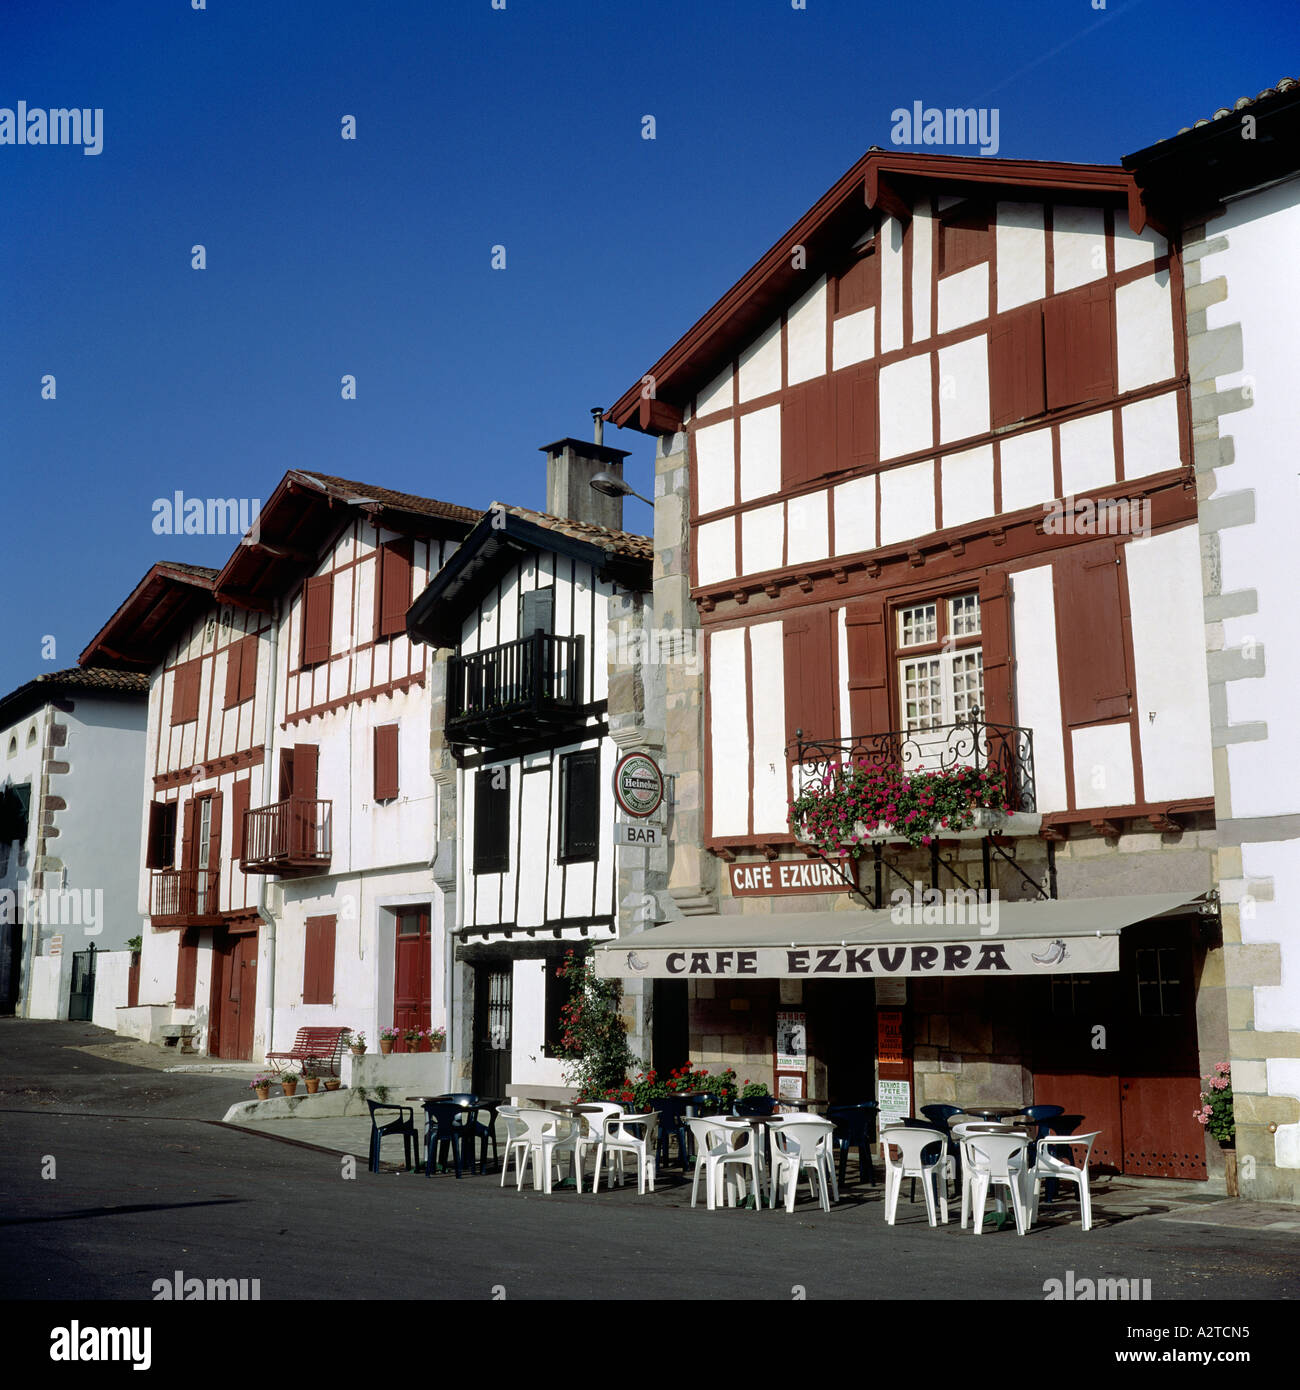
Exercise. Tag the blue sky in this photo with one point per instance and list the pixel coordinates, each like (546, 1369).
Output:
(476, 127)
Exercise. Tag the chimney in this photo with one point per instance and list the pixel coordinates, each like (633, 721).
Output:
(571, 464)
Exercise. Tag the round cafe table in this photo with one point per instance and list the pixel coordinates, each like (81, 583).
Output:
(993, 1112)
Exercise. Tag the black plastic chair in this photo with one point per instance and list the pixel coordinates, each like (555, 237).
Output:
(854, 1125)
(672, 1123)
(404, 1125)
(939, 1115)
(448, 1126)
(1050, 1119)
(484, 1133)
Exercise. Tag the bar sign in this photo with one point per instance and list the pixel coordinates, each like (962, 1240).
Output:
(640, 835)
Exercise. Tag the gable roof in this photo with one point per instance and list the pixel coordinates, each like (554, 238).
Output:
(501, 538)
(169, 595)
(882, 181)
(76, 680)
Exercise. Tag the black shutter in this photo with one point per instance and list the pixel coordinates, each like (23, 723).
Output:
(580, 806)
(537, 610)
(492, 821)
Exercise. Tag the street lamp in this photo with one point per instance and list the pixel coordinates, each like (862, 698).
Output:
(611, 486)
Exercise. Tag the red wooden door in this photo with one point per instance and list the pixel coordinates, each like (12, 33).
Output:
(412, 970)
(233, 996)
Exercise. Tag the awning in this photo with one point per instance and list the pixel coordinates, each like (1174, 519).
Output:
(1078, 936)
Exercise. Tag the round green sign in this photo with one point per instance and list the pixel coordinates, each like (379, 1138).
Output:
(638, 784)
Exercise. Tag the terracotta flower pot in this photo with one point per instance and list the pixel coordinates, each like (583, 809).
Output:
(358, 1051)
(386, 1045)
(289, 1087)
(439, 1046)
(263, 1093)
(332, 1083)
(313, 1084)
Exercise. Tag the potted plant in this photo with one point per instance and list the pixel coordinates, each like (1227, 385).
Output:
(332, 1083)
(1217, 1116)
(755, 1090)
(411, 1039)
(387, 1037)
(261, 1084)
(357, 1043)
(311, 1075)
(438, 1039)
(289, 1083)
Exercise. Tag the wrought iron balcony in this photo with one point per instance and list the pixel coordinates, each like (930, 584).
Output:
(184, 897)
(999, 748)
(515, 691)
(290, 837)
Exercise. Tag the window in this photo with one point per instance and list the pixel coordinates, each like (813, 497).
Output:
(492, 821)
(185, 692)
(964, 237)
(579, 807)
(1159, 982)
(13, 745)
(941, 677)
(31, 737)
(536, 610)
(241, 671)
(392, 588)
(317, 617)
(558, 993)
(318, 961)
(1071, 994)
(161, 850)
(385, 762)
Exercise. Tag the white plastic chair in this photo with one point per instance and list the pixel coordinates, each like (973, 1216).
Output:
(591, 1128)
(516, 1142)
(1001, 1159)
(802, 1144)
(549, 1135)
(911, 1144)
(746, 1154)
(712, 1144)
(634, 1136)
(962, 1129)
(1048, 1165)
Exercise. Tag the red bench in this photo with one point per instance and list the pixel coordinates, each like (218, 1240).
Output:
(323, 1045)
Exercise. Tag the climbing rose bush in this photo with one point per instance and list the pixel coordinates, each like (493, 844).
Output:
(851, 800)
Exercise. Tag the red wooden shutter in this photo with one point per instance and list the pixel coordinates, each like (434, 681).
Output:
(247, 669)
(858, 284)
(154, 854)
(964, 238)
(995, 629)
(1016, 383)
(317, 615)
(1090, 633)
(318, 961)
(240, 796)
(214, 855)
(385, 762)
(855, 419)
(188, 846)
(185, 693)
(305, 757)
(868, 645)
(1078, 338)
(187, 960)
(234, 657)
(286, 773)
(807, 433)
(394, 587)
(809, 685)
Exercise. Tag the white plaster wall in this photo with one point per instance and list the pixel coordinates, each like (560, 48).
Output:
(760, 365)
(761, 535)
(964, 297)
(922, 269)
(854, 338)
(1026, 465)
(1078, 246)
(891, 284)
(855, 516)
(529, 1066)
(760, 451)
(907, 502)
(967, 485)
(535, 798)
(906, 419)
(715, 551)
(715, 466)
(805, 336)
(964, 389)
(1150, 431)
(1037, 682)
(51, 986)
(719, 394)
(1136, 248)
(112, 982)
(1087, 453)
(1172, 694)
(766, 660)
(728, 696)
(1262, 233)
(806, 521)
(1021, 253)
(1144, 330)
(1103, 765)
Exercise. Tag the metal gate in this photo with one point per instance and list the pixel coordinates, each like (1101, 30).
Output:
(81, 1001)
(493, 1008)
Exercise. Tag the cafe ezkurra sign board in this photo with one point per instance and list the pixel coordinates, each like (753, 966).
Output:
(786, 876)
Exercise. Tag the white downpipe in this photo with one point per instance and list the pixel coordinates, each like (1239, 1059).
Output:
(269, 769)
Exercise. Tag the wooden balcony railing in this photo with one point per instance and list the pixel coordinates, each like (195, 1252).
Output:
(184, 896)
(514, 691)
(288, 837)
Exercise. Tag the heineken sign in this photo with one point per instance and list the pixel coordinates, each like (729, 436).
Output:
(638, 785)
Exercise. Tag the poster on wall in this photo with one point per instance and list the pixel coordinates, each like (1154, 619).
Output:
(889, 1036)
(792, 1042)
(895, 1099)
(789, 1087)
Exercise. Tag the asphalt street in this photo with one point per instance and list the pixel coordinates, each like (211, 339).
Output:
(114, 1178)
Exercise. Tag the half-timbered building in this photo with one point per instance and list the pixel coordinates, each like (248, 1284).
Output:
(289, 805)
(545, 616)
(924, 482)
